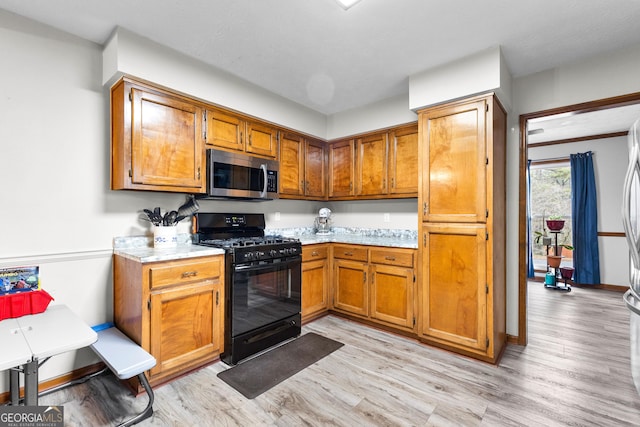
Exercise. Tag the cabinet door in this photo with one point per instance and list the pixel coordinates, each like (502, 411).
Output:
(372, 165)
(291, 164)
(455, 285)
(186, 326)
(166, 142)
(350, 287)
(341, 168)
(315, 275)
(403, 161)
(392, 294)
(454, 163)
(224, 130)
(261, 140)
(315, 170)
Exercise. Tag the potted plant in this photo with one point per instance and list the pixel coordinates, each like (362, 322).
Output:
(555, 223)
(566, 272)
(542, 238)
(554, 260)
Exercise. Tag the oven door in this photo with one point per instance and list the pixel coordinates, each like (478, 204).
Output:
(263, 293)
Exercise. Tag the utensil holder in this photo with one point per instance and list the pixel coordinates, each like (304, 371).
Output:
(165, 237)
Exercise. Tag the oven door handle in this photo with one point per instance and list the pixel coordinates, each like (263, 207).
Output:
(263, 193)
(267, 266)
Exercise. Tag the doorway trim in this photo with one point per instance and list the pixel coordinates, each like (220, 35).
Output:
(584, 107)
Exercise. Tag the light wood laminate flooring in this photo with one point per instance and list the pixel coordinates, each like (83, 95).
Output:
(575, 371)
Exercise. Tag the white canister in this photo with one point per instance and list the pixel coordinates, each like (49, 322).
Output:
(165, 237)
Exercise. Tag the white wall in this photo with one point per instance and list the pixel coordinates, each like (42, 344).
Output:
(129, 53)
(53, 145)
(482, 72)
(384, 114)
(609, 155)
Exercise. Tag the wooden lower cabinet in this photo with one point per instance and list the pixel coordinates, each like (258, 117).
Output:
(172, 309)
(350, 287)
(456, 296)
(315, 281)
(392, 286)
(375, 283)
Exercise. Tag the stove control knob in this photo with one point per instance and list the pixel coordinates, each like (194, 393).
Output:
(259, 254)
(273, 253)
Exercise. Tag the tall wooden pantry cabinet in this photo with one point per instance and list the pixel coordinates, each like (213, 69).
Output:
(463, 232)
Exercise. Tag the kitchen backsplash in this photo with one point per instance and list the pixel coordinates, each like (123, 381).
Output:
(368, 232)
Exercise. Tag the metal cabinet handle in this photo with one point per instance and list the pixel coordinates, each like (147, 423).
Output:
(390, 258)
(314, 253)
(188, 274)
(364, 277)
(348, 254)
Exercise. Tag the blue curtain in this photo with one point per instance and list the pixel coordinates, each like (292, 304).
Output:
(530, 270)
(584, 212)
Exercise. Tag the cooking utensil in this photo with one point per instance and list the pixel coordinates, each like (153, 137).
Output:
(170, 218)
(152, 217)
(189, 207)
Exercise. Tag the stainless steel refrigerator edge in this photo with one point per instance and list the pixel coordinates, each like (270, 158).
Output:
(630, 214)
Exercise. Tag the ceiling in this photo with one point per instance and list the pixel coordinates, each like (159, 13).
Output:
(563, 126)
(317, 54)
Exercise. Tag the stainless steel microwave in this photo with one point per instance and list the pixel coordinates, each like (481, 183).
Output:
(241, 176)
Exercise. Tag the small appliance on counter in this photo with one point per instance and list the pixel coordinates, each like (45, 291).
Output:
(323, 221)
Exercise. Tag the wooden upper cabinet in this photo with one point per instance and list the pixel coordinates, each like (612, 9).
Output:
(224, 130)
(291, 164)
(454, 163)
(342, 168)
(315, 169)
(234, 132)
(303, 167)
(385, 165)
(156, 140)
(262, 140)
(371, 168)
(403, 161)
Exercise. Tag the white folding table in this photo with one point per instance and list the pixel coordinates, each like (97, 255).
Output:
(32, 339)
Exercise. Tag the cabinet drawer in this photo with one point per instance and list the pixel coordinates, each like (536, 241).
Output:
(310, 253)
(392, 257)
(171, 273)
(350, 252)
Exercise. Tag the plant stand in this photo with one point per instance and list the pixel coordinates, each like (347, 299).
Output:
(556, 270)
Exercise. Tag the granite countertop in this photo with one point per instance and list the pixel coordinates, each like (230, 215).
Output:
(140, 249)
(355, 236)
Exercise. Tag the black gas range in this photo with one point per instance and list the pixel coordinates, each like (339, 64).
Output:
(262, 282)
